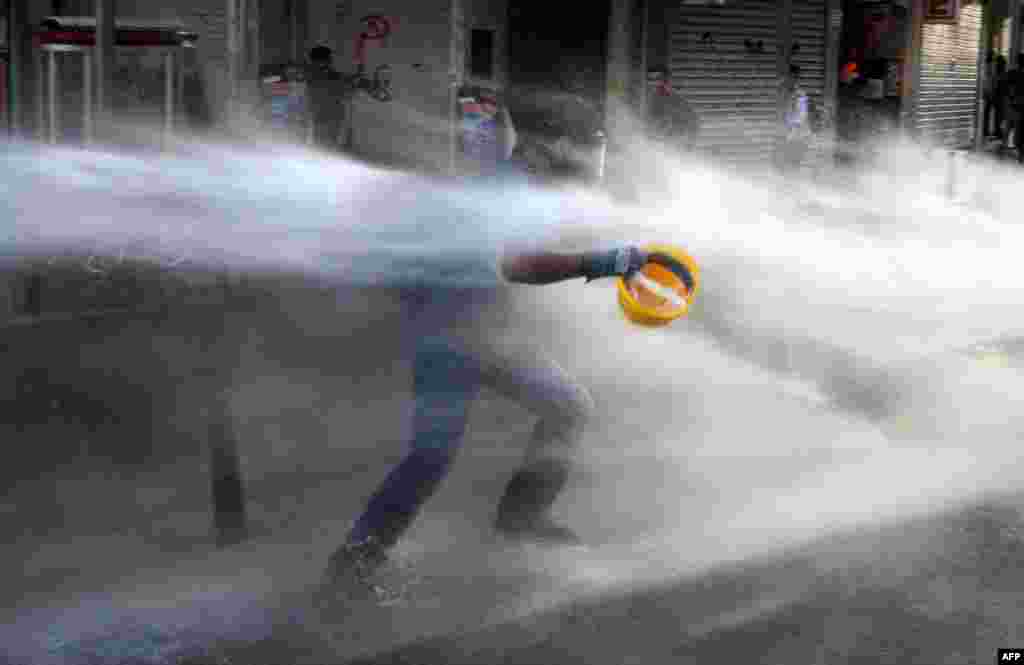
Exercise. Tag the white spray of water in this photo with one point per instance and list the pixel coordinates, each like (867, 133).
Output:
(809, 296)
(851, 308)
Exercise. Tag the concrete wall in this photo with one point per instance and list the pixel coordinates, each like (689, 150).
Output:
(413, 128)
(410, 130)
(275, 31)
(658, 21)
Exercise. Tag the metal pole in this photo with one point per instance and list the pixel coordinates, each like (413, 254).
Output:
(644, 18)
(179, 98)
(617, 78)
(255, 52)
(19, 63)
(981, 76)
(87, 101)
(915, 62)
(227, 486)
(40, 95)
(784, 57)
(232, 46)
(53, 92)
(1016, 21)
(951, 176)
(833, 37)
(242, 58)
(293, 28)
(12, 68)
(168, 97)
(105, 63)
(455, 56)
(254, 55)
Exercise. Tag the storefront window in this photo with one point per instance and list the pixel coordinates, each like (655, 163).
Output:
(873, 69)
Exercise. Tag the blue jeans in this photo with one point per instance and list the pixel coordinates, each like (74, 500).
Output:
(447, 377)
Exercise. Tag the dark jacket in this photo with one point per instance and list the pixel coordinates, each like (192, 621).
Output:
(326, 94)
(1011, 88)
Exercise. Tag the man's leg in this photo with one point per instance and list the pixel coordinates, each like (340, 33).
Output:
(564, 408)
(446, 380)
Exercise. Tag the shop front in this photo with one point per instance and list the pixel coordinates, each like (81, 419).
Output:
(455, 67)
(946, 96)
(415, 45)
(875, 72)
(729, 58)
(147, 89)
(5, 59)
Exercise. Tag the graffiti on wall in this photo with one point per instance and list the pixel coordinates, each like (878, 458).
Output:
(375, 31)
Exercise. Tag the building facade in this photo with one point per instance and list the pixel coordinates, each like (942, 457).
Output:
(729, 59)
(918, 60)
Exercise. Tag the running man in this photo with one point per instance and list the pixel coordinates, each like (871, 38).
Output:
(442, 302)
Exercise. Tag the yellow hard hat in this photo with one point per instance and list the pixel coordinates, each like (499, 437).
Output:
(647, 298)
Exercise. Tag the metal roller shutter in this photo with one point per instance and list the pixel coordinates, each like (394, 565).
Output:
(734, 92)
(947, 103)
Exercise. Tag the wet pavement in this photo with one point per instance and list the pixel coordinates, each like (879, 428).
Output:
(746, 497)
(717, 547)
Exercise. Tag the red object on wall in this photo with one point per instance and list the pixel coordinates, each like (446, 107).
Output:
(377, 30)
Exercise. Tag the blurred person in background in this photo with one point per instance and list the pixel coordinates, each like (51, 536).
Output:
(992, 118)
(1012, 93)
(670, 119)
(1015, 93)
(560, 132)
(327, 93)
(797, 128)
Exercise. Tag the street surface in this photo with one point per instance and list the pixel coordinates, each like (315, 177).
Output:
(818, 465)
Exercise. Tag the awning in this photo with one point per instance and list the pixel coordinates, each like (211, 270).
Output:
(81, 31)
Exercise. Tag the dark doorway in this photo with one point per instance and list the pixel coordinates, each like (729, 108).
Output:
(551, 44)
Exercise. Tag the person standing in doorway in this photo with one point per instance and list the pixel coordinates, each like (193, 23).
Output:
(1015, 98)
(671, 119)
(561, 135)
(992, 112)
(1010, 93)
(326, 98)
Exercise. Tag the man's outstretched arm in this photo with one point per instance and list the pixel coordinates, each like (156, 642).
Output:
(551, 267)
(541, 268)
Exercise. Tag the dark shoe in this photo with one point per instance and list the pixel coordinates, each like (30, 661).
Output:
(542, 530)
(524, 508)
(351, 571)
